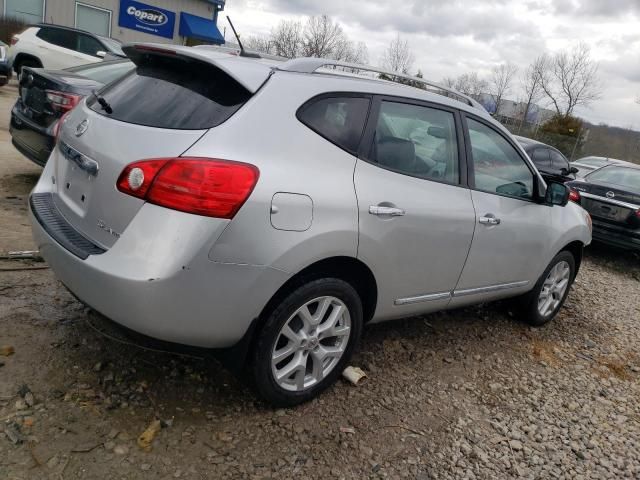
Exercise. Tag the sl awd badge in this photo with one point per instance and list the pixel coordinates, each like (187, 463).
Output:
(82, 127)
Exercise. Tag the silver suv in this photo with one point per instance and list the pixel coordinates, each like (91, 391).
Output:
(275, 209)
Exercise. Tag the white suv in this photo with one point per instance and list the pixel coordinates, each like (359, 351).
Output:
(55, 47)
(273, 209)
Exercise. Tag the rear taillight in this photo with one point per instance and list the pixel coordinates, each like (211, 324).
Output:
(638, 213)
(14, 39)
(574, 195)
(58, 126)
(61, 101)
(202, 186)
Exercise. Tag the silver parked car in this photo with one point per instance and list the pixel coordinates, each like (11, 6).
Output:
(274, 209)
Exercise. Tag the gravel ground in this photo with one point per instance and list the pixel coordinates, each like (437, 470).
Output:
(472, 393)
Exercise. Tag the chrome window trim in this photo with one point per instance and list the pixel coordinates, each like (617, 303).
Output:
(490, 288)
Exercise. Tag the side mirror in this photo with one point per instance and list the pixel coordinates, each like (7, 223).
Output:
(101, 53)
(557, 194)
(574, 170)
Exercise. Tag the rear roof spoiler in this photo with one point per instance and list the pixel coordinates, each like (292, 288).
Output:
(250, 73)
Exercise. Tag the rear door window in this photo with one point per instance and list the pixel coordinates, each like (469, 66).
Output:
(339, 119)
(416, 140)
(173, 93)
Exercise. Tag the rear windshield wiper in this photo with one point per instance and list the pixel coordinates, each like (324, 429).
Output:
(103, 103)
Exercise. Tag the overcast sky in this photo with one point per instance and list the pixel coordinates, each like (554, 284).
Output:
(450, 37)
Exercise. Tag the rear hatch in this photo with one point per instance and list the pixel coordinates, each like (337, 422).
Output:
(158, 110)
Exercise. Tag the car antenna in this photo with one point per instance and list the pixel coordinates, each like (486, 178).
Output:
(243, 52)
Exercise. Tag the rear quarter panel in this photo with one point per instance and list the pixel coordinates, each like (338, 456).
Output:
(292, 159)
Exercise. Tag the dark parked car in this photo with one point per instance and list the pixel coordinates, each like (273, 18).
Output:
(5, 65)
(611, 195)
(552, 164)
(46, 95)
(586, 165)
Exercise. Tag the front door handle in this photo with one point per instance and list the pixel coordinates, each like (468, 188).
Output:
(386, 211)
(489, 219)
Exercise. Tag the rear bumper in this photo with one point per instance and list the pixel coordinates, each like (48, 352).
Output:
(159, 288)
(32, 140)
(616, 236)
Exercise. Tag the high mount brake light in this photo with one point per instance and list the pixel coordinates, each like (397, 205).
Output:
(202, 186)
(148, 48)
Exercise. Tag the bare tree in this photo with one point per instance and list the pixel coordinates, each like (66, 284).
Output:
(570, 79)
(259, 44)
(398, 56)
(530, 82)
(358, 53)
(449, 82)
(324, 38)
(501, 80)
(471, 84)
(286, 39)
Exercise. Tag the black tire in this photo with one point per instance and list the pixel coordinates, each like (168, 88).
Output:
(528, 304)
(261, 368)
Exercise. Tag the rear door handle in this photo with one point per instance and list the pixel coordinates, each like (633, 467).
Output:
(386, 211)
(489, 219)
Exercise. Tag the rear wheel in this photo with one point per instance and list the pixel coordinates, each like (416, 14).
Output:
(542, 304)
(306, 341)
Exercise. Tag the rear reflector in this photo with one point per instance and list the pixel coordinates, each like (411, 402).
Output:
(63, 102)
(58, 125)
(574, 195)
(202, 186)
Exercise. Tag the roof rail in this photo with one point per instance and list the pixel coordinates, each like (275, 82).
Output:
(311, 65)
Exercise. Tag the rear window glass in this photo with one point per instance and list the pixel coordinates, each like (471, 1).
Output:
(339, 119)
(103, 72)
(627, 178)
(173, 93)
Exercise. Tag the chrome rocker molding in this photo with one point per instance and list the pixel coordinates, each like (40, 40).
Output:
(489, 289)
(431, 297)
(423, 298)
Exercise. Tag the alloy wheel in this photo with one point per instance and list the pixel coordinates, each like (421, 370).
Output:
(311, 343)
(554, 288)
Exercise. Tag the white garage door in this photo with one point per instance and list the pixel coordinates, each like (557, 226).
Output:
(31, 11)
(94, 20)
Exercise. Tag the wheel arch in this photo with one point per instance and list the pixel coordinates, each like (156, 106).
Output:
(575, 248)
(21, 57)
(350, 269)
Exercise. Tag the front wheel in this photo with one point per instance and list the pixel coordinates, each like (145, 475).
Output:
(542, 304)
(306, 341)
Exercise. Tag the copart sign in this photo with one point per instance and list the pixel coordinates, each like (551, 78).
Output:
(147, 18)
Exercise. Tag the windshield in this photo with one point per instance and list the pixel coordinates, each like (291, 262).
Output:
(113, 46)
(628, 178)
(105, 72)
